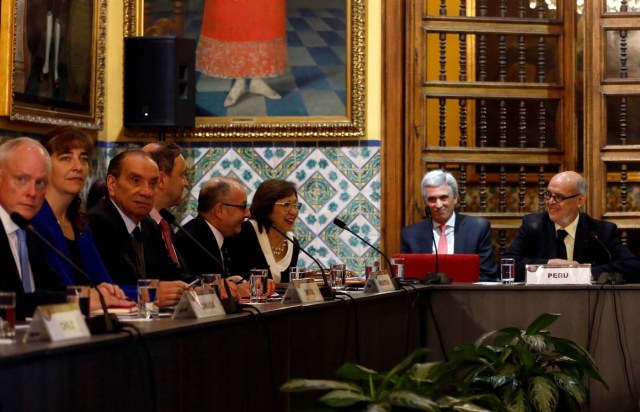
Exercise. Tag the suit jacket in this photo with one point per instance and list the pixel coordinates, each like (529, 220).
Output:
(535, 243)
(48, 287)
(472, 235)
(196, 260)
(246, 254)
(91, 262)
(115, 245)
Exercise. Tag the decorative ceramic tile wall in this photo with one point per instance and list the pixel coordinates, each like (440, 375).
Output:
(337, 179)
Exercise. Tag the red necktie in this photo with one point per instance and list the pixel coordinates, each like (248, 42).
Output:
(442, 242)
(166, 234)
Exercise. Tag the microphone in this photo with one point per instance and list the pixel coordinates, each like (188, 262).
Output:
(436, 276)
(612, 276)
(326, 290)
(228, 304)
(342, 225)
(107, 323)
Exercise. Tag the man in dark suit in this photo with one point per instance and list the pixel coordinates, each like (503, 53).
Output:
(564, 235)
(24, 174)
(169, 190)
(222, 208)
(462, 234)
(129, 241)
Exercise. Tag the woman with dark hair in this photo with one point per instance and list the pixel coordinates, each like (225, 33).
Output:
(60, 219)
(275, 203)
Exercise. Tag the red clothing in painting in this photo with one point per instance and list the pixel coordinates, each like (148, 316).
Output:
(243, 38)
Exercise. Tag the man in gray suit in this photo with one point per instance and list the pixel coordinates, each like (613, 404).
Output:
(452, 232)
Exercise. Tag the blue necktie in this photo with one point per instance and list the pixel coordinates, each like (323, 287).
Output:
(23, 255)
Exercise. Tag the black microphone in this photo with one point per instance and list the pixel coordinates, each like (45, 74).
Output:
(343, 225)
(326, 290)
(612, 276)
(107, 323)
(228, 304)
(436, 276)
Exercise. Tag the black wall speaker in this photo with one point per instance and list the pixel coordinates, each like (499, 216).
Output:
(159, 81)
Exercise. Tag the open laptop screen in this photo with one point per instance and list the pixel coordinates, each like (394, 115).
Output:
(460, 268)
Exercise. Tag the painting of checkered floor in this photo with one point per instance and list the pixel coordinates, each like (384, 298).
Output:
(315, 81)
(332, 181)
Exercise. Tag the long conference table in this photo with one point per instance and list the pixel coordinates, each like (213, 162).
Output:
(238, 362)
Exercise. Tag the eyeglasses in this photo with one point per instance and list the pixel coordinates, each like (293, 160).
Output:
(241, 207)
(558, 197)
(290, 205)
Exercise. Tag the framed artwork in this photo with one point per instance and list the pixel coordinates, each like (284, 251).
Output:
(57, 74)
(268, 68)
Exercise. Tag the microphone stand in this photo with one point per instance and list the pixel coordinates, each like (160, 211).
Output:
(342, 225)
(326, 290)
(612, 277)
(107, 323)
(435, 276)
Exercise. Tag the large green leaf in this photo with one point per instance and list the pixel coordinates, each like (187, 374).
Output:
(518, 402)
(412, 400)
(541, 322)
(543, 394)
(340, 398)
(425, 372)
(301, 385)
(572, 386)
(538, 342)
(504, 375)
(356, 372)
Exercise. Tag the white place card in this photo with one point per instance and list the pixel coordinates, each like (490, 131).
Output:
(302, 291)
(57, 323)
(558, 274)
(379, 281)
(202, 304)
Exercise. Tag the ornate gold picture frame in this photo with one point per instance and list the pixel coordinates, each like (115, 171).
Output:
(321, 94)
(58, 51)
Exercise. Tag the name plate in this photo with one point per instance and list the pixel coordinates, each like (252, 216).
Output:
(559, 274)
(379, 281)
(302, 291)
(57, 323)
(199, 304)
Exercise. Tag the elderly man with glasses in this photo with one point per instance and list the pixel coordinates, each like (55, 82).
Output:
(565, 235)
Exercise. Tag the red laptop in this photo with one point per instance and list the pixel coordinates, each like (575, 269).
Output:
(460, 268)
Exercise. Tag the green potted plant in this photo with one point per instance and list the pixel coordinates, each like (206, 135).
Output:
(529, 370)
(423, 386)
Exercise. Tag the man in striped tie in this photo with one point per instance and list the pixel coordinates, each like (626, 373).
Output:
(169, 189)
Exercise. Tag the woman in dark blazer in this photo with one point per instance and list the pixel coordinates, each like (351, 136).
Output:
(258, 245)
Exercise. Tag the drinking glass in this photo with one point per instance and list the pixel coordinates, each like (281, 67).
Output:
(507, 270)
(7, 314)
(79, 295)
(258, 285)
(296, 273)
(398, 267)
(338, 274)
(147, 289)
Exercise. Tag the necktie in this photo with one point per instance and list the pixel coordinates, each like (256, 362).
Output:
(23, 255)
(561, 248)
(138, 247)
(226, 260)
(166, 234)
(442, 243)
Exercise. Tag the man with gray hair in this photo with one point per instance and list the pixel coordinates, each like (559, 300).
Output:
(564, 235)
(452, 232)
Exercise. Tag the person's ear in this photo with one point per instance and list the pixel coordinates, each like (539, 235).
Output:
(111, 185)
(162, 181)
